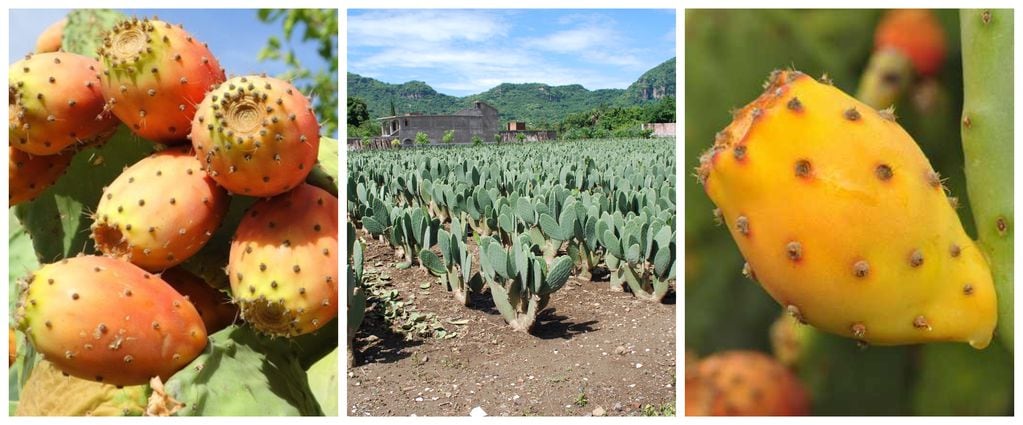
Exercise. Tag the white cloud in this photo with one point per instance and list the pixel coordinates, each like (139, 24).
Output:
(464, 52)
(390, 27)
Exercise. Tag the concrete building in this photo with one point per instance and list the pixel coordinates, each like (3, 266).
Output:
(479, 120)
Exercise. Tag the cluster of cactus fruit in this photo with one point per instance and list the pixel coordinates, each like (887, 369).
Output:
(125, 310)
(536, 215)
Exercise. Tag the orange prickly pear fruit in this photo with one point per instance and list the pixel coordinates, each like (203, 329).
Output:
(916, 34)
(12, 346)
(29, 175)
(743, 383)
(843, 221)
(107, 320)
(52, 37)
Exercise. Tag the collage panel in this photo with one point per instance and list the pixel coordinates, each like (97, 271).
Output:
(511, 204)
(849, 230)
(173, 212)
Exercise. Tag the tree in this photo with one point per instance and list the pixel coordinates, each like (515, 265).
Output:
(366, 141)
(321, 27)
(449, 136)
(662, 111)
(497, 138)
(395, 143)
(520, 137)
(358, 112)
(422, 139)
(477, 140)
(394, 112)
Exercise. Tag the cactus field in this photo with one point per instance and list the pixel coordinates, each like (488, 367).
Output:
(522, 278)
(173, 229)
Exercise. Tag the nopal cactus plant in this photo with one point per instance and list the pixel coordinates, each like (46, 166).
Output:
(640, 253)
(413, 231)
(455, 270)
(520, 281)
(356, 292)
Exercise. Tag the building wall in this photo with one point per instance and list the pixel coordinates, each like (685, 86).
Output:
(530, 135)
(661, 129)
(481, 120)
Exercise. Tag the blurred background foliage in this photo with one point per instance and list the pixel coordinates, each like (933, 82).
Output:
(729, 54)
(321, 27)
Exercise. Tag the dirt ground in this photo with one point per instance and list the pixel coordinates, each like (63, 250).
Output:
(592, 352)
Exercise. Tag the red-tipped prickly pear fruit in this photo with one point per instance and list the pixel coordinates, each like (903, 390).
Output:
(743, 383)
(55, 102)
(160, 211)
(29, 175)
(65, 308)
(916, 34)
(283, 262)
(154, 74)
(214, 307)
(258, 136)
(51, 38)
(844, 222)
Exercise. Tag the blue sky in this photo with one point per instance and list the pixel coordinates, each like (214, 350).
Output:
(234, 35)
(461, 52)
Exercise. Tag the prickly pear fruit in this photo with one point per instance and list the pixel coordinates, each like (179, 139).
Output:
(160, 211)
(49, 392)
(29, 175)
(55, 102)
(214, 307)
(257, 135)
(154, 74)
(283, 262)
(65, 310)
(12, 347)
(51, 38)
(844, 222)
(743, 383)
(916, 34)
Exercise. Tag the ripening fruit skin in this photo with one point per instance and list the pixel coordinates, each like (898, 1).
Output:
(283, 262)
(153, 75)
(12, 347)
(160, 211)
(65, 310)
(29, 175)
(51, 38)
(743, 383)
(214, 307)
(844, 222)
(915, 33)
(258, 136)
(55, 102)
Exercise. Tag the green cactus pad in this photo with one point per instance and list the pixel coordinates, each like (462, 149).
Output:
(432, 263)
(558, 274)
(243, 373)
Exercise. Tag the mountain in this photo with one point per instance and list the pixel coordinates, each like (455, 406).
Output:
(534, 103)
(654, 84)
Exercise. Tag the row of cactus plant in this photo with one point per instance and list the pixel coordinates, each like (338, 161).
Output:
(537, 214)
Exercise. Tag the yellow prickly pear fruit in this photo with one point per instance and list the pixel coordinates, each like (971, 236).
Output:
(843, 221)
